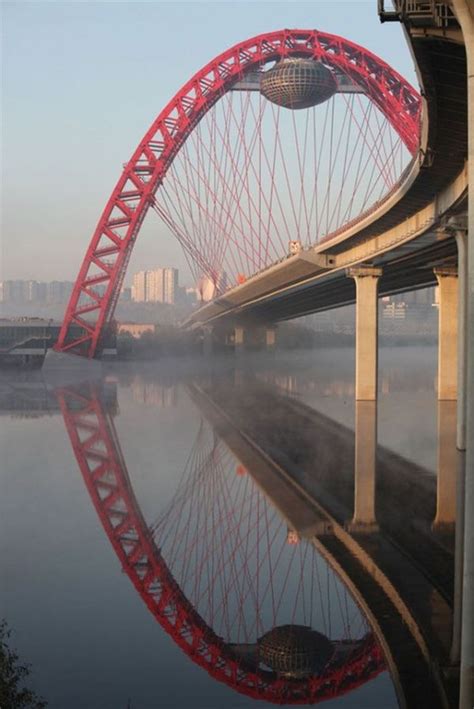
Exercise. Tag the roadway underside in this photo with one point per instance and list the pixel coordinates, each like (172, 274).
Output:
(407, 268)
(401, 570)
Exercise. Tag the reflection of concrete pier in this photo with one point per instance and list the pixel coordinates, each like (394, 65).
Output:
(447, 464)
(400, 572)
(365, 466)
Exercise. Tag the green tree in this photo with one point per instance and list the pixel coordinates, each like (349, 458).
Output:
(13, 694)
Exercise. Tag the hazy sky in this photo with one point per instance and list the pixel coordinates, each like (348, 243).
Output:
(82, 81)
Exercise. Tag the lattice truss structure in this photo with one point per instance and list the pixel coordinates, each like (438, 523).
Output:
(218, 569)
(235, 177)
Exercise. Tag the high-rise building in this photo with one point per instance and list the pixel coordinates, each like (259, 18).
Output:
(155, 286)
(14, 291)
(59, 291)
(139, 287)
(19, 292)
(170, 284)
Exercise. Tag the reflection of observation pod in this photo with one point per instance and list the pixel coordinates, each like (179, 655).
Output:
(298, 83)
(295, 650)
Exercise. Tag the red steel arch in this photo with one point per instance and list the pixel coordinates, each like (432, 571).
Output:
(97, 450)
(109, 251)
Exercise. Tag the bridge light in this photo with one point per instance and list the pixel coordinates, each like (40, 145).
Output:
(292, 537)
(294, 247)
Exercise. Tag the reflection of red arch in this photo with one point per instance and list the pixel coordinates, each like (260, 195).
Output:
(98, 454)
(107, 257)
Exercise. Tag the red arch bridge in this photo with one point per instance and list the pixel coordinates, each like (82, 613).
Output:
(222, 574)
(281, 142)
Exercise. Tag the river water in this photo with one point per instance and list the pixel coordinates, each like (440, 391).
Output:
(76, 602)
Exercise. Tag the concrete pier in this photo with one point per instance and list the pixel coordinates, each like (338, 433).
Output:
(239, 339)
(366, 280)
(448, 333)
(270, 338)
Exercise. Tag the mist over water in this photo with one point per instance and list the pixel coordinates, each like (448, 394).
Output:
(77, 618)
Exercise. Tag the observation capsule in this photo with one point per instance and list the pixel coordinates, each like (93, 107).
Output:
(298, 83)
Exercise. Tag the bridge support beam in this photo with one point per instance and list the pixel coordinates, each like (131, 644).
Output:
(365, 467)
(366, 280)
(465, 16)
(447, 333)
(461, 439)
(270, 338)
(239, 339)
(461, 240)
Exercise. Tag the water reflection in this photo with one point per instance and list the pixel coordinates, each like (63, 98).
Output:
(376, 511)
(267, 617)
(282, 549)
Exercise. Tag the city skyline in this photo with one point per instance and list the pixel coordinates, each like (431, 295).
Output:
(58, 291)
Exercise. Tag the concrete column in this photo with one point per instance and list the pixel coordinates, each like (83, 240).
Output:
(270, 338)
(366, 280)
(239, 335)
(461, 240)
(447, 467)
(365, 467)
(465, 15)
(447, 333)
(455, 653)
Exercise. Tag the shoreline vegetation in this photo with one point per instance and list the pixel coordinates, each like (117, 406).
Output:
(13, 674)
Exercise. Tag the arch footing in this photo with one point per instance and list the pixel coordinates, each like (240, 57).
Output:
(70, 363)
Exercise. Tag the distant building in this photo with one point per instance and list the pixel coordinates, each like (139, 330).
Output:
(15, 291)
(18, 292)
(59, 291)
(394, 311)
(134, 329)
(159, 285)
(126, 295)
(170, 285)
(154, 285)
(192, 293)
(25, 340)
(139, 287)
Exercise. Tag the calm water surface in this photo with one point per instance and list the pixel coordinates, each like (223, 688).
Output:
(78, 619)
